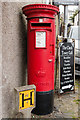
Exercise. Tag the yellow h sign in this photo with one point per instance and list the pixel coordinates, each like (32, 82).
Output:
(26, 99)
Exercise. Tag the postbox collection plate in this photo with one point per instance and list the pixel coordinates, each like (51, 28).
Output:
(40, 39)
(26, 99)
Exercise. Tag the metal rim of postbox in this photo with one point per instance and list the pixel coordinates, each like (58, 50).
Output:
(29, 10)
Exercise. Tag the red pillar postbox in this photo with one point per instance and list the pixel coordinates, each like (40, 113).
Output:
(41, 53)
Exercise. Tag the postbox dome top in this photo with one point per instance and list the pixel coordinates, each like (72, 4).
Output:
(40, 10)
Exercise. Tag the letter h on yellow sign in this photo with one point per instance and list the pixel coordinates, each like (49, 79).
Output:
(26, 99)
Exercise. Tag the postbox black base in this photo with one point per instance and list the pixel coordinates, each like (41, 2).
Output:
(44, 103)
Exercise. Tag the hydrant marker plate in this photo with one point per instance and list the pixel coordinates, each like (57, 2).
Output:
(26, 99)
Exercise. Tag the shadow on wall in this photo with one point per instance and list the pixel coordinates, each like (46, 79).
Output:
(23, 45)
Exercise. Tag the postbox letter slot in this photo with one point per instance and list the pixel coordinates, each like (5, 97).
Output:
(41, 26)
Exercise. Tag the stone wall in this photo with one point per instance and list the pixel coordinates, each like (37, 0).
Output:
(13, 49)
(79, 13)
(0, 60)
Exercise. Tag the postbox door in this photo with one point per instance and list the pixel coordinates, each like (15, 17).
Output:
(41, 57)
(45, 65)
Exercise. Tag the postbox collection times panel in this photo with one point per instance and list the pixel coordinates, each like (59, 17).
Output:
(40, 39)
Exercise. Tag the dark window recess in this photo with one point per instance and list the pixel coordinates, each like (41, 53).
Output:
(41, 24)
(77, 67)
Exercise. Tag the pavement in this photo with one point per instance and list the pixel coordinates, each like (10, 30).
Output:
(66, 105)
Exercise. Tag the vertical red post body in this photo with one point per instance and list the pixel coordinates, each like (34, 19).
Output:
(41, 53)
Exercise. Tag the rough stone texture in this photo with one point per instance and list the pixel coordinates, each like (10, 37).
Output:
(79, 12)
(14, 55)
(14, 48)
(0, 60)
(27, 1)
